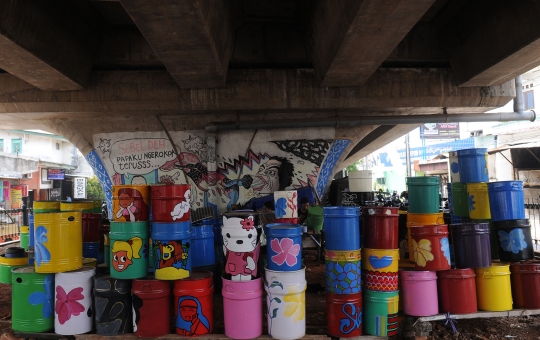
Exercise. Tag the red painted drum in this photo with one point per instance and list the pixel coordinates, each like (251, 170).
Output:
(431, 249)
(91, 224)
(344, 314)
(525, 280)
(380, 227)
(171, 203)
(286, 220)
(151, 308)
(193, 305)
(457, 291)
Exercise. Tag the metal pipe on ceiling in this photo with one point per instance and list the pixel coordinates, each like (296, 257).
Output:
(518, 115)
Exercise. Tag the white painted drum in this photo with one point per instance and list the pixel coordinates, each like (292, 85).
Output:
(286, 204)
(360, 181)
(73, 312)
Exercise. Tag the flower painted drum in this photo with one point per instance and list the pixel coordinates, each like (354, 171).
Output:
(73, 305)
(514, 240)
(284, 250)
(343, 272)
(431, 248)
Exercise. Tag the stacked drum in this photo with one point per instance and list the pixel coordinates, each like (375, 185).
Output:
(380, 255)
(286, 206)
(343, 271)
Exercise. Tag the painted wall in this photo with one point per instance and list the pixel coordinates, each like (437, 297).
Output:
(224, 169)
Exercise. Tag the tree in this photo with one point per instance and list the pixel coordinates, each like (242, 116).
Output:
(355, 166)
(94, 190)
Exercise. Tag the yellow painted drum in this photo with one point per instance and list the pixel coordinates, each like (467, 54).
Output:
(130, 203)
(89, 262)
(493, 288)
(478, 201)
(58, 242)
(46, 206)
(380, 269)
(86, 206)
(421, 219)
(343, 255)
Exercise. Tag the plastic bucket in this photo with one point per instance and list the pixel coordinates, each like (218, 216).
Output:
(90, 250)
(493, 288)
(46, 206)
(506, 200)
(360, 181)
(525, 280)
(478, 200)
(380, 227)
(242, 308)
(151, 301)
(381, 313)
(128, 250)
(284, 247)
(315, 219)
(24, 237)
(457, 291)
(344, 315)
(342, 228)
(58, 241)
(85, 206)
(419, 292)
(91, 225)
(130, 203)
(171, 203)
(423, 194)
(460, 200)
(286, 204)
(419, 220)
(9, 263)
(241, 234)
(431, 249)
(343, 272)
(32, 306)
(202, 245)
(285, 290)
(514, 240)
(453, 161)
(471, 244)
(73, 305)
(172, 250)
(113, 307)
(380, 272)
(473, 165)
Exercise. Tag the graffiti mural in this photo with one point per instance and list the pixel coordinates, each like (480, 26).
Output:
(239, 173)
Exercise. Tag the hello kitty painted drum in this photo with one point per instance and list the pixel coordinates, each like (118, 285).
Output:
(241, 232)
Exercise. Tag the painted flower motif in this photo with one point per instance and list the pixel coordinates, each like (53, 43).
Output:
(445, 248)
(296, 304)
(184, 255)
(472, 202)
(422, 252)
(281, 207)
(67, 305)
(287, 251)
(41, 253)
(45, 298)
(248, 223)
(513, 241)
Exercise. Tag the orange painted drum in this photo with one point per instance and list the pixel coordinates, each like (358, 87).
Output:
(130, 203)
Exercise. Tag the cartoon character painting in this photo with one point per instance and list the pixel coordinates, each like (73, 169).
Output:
(131, 206)
(172, 260)
(241, 246)
(190, 320)
(123, 253)
(182, 208)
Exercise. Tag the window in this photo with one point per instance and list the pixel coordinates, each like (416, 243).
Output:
(528, 100)
(1, 145)
(57, 146)
(16, 146)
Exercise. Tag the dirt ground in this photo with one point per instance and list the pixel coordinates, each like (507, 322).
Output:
(492, 328)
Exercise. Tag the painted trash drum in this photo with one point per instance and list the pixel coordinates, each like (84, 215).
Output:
(344, 315)
(380, 227)
(343, 272)
(472, 248)
(506, 200)
(514, 240)
(171, 203)
(525, 280)
(380, 269)
(130, 203)
(32, 300)
(286, 303)
(172, 250)
(431, 248)
(193, 304)
(381, 313)
(493, 288)
(457, 291)
(241, 245)
(284, 249)
(128, 258)
(419, 292)
(151, 307)
(242, 306)
(342, 228)
(286, 204)
(202, 243)
(73, 305)
(478, 199)
(113, 307)
(15, 257)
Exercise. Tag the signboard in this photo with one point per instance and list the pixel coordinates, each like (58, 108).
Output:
(55, 194)
(439, 131)
(56, 174)
(79, 187)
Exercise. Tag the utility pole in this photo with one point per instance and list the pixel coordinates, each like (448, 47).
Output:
(408, 155)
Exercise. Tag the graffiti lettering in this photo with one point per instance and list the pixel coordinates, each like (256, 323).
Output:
(140, 146)
(135, 165)
(354, 315)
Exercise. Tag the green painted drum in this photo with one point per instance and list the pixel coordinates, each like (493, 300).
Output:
(46, 206)
(7, 264)
(460, 199)
(83, 206)
(381, 313)
(423, 194)
(32, 301)
(106, 250)
(128, 250)
(25, 237)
